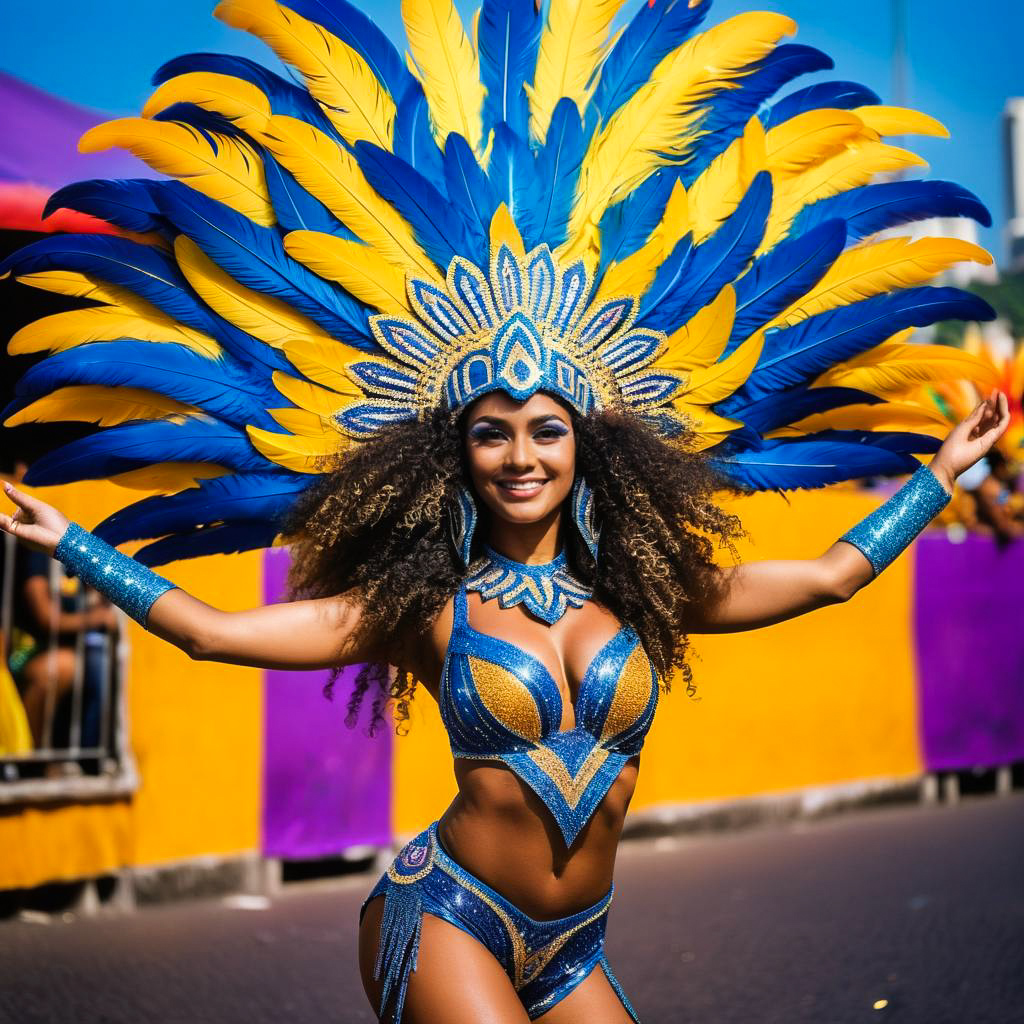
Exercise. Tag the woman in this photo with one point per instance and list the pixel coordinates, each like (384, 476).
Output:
(521, 306)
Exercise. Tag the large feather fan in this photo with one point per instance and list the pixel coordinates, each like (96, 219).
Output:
(745, 227)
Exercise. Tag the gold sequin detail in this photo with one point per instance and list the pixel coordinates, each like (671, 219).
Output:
(506, 697)
(632, 694)
(571, 788)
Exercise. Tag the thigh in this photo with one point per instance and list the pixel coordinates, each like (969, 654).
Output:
(457, 980)
(593, 1001)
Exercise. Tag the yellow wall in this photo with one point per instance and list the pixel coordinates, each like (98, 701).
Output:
(820, 699)
(196, 731)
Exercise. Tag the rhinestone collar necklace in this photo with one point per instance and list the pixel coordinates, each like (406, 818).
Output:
(546, 590)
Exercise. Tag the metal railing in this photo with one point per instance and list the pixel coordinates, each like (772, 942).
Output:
(78, 726)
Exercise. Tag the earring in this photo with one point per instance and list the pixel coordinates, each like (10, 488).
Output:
(583, 515)
(462, 523)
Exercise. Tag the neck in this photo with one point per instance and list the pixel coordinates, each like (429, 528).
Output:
(530, 543)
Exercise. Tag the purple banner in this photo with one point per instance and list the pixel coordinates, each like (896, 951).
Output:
(325, 787)
(969, 626)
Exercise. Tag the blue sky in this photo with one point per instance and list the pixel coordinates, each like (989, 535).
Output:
(965, 60)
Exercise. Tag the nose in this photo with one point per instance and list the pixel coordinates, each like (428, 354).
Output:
(520, 453)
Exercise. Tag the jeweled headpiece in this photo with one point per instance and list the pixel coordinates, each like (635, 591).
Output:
(629, 218)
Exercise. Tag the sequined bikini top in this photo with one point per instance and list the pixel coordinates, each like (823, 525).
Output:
(500, 703)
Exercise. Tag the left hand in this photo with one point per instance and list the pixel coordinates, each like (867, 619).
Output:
(971, 438)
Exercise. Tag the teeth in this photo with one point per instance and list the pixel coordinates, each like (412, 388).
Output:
(523, 486)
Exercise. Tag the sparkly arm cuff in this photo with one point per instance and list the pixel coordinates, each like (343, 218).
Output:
(128, 584)
(891, 527)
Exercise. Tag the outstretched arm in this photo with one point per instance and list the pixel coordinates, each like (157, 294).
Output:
(763, 593)
(300, 634)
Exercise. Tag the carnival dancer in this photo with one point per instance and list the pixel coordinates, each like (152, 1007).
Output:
(481, 333)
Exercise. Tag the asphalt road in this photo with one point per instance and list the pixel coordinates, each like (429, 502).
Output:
(920, 908)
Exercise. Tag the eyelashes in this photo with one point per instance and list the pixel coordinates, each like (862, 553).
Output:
(489, 432)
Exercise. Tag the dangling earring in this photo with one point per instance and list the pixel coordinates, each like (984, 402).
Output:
(462, 522)
(583, 515)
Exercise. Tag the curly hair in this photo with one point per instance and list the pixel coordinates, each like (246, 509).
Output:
(376, 526)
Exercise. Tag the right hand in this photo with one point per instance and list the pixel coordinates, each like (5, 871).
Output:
(34, 523)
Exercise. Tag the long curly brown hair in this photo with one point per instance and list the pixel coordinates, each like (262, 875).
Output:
(376, 526)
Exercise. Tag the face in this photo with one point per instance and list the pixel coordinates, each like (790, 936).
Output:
(522, 455)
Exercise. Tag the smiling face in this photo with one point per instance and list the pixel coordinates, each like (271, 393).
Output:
(522, 456)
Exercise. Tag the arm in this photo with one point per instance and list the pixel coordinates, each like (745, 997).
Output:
(301, 634)
(763, 593)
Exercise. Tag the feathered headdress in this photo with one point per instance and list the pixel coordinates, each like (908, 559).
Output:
(539, 204)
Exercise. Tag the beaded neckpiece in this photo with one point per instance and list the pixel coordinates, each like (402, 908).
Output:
(546, 590)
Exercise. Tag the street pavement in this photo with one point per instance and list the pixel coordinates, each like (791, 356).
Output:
(896, 915)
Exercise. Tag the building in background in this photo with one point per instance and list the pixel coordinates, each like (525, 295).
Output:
(1013, 133)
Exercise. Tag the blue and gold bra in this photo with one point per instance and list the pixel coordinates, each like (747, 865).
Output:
(500, 703)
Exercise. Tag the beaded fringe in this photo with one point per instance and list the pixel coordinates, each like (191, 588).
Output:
(617, 988)
(399, 944)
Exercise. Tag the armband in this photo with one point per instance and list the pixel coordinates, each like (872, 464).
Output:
(884, 534)
(126, 582)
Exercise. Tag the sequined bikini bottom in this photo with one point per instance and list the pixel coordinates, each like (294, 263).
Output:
(544, 960)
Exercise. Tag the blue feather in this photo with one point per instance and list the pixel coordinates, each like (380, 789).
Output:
(508, 37)
(294, 207)
(835, 95)
(870, 208)
(439, 226)
(257, 497)
(557, 174)
(214, 540)
(681, 288)
(794, 355)
(657, 28)
(351, 26)
(219, 387)
(512, 174)
(627, 225)
(901, 442)
(784, 274)
(729, 110)
(470, 191)
(285, 97)
(135, 445)
(206, 122)
(787, 464)
(414, 138)
(126, 203)
(255, 257)
(784, 407)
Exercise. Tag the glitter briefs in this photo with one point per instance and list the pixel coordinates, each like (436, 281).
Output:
(544, 960)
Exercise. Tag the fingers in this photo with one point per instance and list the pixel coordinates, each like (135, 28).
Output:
(21, 499)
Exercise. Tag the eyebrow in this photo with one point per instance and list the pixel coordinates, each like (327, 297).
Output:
(535, 422)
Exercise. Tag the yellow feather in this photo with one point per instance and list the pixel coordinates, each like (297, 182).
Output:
(503, 231)
(713, 383)
(571, 47)
(360, 270)
(887, 416)
(324, 362)
(309, 397)
(236, 99)
(71, 282)
(877, 268)
(302, 422)
(168, 477)
(855, 165)
(702, 340)
(715, 195)
(449, 69)
(892, 367)
(298, 453)
(139, 321)
(708, 426)
(337, 77)
(106, 406)
(808, 138)
(330, 173)
(228, 170)
(262, 316)
(900, 121)
(657, 124)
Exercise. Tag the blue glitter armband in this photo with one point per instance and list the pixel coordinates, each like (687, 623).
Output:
(892, 526)
(128, 584)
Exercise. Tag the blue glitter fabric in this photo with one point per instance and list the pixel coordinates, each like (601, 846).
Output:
(546, 590)
(499, 703)
(884, 534)
(544, 960)
(128, 583)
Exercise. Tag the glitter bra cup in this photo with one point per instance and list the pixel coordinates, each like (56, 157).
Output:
(500, 703)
